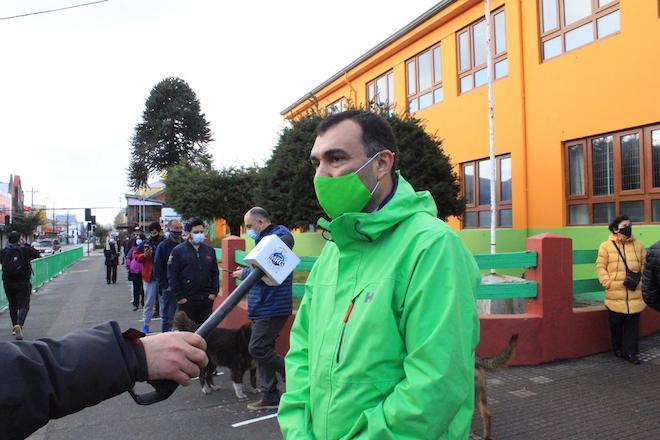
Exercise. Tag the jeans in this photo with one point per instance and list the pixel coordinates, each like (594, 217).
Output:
(150, 296)
(198, 311)
(111, 274)
(18, 295)
(624, 331)
(138, 289)
(262, 349)
(167, 310)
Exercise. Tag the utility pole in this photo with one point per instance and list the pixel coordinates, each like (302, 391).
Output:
(67, 227)
(32, 191)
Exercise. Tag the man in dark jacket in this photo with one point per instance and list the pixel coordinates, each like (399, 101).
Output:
(16, 272)
(651, 277)
(269, 308)
(163, 252)
(193, 275)
(48, 379)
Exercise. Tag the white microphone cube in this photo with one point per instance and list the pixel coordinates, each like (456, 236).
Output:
(275, 258)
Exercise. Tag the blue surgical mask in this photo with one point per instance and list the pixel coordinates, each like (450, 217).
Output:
(198, 238)
(167, 234)
(252, 234)
(138, 242)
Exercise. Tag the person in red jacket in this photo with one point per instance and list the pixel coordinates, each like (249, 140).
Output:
(149, 282)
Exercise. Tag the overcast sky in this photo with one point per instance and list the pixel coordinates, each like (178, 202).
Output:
(73, 83)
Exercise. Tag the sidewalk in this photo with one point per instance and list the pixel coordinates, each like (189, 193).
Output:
(598, 397)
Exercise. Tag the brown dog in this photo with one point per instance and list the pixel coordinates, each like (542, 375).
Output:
(481, 365)
(224, 348)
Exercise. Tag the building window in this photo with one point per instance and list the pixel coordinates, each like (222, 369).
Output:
(472, 53)
(476, 178)
(424, 79)
(614, 174)
(380, 92)
(336, 107)
(569, 24)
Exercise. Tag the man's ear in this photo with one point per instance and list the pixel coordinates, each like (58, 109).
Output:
(385, 162)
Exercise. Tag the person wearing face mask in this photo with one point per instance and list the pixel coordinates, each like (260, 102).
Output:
(163, 251)
(619, 267)
(192, 274)
(155, 238)
(383, 345)
(269, 308)
(135, 271)
(111, 260)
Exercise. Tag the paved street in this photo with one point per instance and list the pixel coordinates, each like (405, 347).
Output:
(595, 397)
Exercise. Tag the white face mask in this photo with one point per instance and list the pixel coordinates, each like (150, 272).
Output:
(198, 237)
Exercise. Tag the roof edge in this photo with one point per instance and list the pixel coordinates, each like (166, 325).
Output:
(380, 46)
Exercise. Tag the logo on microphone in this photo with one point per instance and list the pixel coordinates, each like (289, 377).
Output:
(278, 258)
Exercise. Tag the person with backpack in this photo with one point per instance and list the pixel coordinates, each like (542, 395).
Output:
(16, 272)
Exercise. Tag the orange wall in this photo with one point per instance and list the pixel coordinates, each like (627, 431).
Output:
(605, 86)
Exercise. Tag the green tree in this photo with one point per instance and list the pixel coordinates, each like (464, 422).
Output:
(26, 222)
(236, 188)
(102, 233)
(173, 130)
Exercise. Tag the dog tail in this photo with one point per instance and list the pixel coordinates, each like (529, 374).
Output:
(182, 322)
(501, 360)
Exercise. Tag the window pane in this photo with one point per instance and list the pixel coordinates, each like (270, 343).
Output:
(549, 15)
(466, 84)
(505, 179)
(501, 69)
(500, 33)
(602, 3)
(484, 219)
(603, 212)
(480, 77)
(425, 71)
(381, 90)
(438, 94)
(579, 36)
(578, 215)
(470, 219)
(484, 182)
(390, 88)
(505, 218)
(412, 105)
(655, 152)
(634, 210)
(609, 24)
(412, 84)
(630, 162)
(371, 93)
(575, 10)
(551, 48)
(437, 65)
(426, 100)
(479, 43)
(655, 204)
(603, 165)
(576, 169)
(468, 183)
(464, 51)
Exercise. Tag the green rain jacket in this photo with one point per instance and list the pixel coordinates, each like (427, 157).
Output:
(383, 343)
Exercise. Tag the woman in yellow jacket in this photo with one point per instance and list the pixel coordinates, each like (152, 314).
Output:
(624, 304)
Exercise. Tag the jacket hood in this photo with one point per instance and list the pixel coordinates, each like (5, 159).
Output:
(369, 226)
(615, 238)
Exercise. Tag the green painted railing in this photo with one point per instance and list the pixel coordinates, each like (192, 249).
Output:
(46, 268)
(587, 289)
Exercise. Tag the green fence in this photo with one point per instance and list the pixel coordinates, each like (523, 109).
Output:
(46, 268)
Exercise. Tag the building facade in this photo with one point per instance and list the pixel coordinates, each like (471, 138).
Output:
(577, 125)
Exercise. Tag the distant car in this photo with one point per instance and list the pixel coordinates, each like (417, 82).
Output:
(47, 246)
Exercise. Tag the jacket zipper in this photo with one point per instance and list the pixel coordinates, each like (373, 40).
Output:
(343, 329)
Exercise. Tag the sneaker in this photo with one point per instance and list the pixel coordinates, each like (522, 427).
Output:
(261, 404)
(18, 331)
(134, 308)
(145, 329)
(633, 359)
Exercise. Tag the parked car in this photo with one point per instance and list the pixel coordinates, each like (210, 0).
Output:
(47, 246)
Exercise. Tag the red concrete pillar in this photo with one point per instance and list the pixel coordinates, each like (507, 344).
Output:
(554, 302)
(238, 316)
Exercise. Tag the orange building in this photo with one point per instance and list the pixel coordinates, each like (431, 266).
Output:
(577, 121)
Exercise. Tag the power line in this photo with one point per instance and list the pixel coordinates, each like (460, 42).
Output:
(61, 209)
(54, 10)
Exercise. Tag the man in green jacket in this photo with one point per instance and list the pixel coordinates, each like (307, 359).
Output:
(384, 339)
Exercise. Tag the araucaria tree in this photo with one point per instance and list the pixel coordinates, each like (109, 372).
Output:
(173, 130)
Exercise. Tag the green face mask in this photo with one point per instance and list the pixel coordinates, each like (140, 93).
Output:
(347, 193)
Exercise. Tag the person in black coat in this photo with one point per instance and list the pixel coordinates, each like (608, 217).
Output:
(111, 261)
(48, 379)
(651, 278)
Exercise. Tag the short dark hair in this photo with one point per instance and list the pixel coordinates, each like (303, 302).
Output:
(377, 134)
(193, 222)
(615, 223)
(258, 211)
(13, 237)
(154, 226)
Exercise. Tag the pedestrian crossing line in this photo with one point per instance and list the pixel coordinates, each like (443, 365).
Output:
(255, 420)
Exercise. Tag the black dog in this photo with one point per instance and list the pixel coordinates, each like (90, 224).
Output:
(224, 348)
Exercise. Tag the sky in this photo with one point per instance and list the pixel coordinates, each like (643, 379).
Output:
(73, 83)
